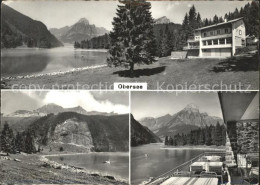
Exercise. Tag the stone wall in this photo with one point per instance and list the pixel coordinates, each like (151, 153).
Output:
(178, 54)
(247, 136)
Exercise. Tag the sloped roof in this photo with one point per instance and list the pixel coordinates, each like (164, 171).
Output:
(218, 24)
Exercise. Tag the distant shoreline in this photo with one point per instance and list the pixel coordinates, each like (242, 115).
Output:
(199, 147)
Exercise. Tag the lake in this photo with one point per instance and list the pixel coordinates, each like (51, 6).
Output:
(95, 163)
(158, 161)
(28, 61)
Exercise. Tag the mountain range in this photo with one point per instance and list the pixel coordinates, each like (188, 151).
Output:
(19, 30)
(73, 131)
(54, 109)
(141, 135)
(81, 30)
(189, 118)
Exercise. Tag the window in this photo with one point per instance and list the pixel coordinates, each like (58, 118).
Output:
(204, 43)
(211, 33)
(240, 32)
(209, 42)
(226, 30)
(229, 40)
(243, 42)
(215, 42)
(205, 34)
(221, 41)
(218, 32)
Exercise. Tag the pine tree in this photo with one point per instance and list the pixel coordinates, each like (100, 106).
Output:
(208, 139)
(192, 21)
(18, 142)
(29, 143)
(253, 19)
(206, 22)
(166, 142)
(132, 38)
(170, 141)
(166, 43)
(218, 133)
(215, 19)
(7, 139)
(199, 21)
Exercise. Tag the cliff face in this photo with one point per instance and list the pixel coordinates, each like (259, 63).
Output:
(18, 29)
(141, 135)
(98, 133)
(73, 132)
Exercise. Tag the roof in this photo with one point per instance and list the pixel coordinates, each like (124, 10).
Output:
(198, 164)
(234, 105)
(218, 24)
(191, 181)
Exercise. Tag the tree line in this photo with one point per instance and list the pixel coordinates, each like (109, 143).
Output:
(250, 13)
(209, 135)
(21, 142)
(100, 42)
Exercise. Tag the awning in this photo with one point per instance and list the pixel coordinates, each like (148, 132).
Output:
(237, 106)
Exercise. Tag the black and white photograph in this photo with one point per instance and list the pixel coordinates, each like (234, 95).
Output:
(64, 137)
(140, 92)
(197, 138)
(167, 44)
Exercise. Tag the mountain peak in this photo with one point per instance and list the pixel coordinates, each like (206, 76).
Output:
(162, 20)
(191, 106)
(83, 20)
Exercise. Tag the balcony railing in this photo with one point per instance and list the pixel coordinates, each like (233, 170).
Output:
(194, 39)
(191, 47)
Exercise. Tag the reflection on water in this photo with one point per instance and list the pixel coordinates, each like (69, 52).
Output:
(158, 161)
(96, 162)
(25, 61)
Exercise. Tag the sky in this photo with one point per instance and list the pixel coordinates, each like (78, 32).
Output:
(117, 102)
(57, 14)
(156, 104)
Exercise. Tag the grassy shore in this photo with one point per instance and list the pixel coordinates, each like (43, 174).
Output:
(166, 74)
(31, 169)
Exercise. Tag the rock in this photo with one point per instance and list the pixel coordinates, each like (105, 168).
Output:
(94, 175)
(3, 154)
(17, 160)
(110, 177)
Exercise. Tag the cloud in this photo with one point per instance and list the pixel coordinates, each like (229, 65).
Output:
(85, 99)
(170, 6)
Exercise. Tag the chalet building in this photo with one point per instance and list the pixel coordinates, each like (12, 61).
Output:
(218, 40)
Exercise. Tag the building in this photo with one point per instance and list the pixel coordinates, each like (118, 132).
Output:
(218, 40)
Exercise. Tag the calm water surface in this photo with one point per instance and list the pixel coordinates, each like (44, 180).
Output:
(158, 161)
(94, 162)
(24, 61)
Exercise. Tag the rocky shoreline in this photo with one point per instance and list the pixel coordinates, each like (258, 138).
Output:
(53, 73)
